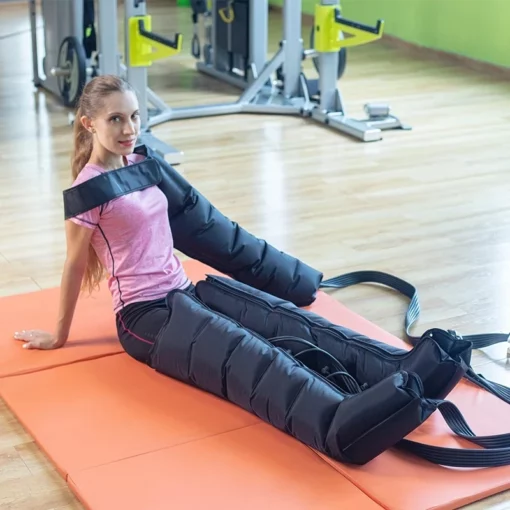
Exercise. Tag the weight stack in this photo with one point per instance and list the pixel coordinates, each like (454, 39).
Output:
(233, 35)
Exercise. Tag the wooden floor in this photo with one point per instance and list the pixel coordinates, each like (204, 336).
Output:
(430, 205)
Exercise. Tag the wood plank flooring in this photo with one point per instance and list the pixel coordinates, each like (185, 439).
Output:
(430, 205)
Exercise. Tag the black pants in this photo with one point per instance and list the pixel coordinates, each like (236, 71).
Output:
(138, 325)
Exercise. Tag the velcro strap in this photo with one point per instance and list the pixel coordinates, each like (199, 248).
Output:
(109, 185)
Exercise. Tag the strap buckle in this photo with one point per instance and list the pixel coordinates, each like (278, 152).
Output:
(455, 334)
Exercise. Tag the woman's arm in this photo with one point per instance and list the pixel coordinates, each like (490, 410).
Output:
(78, 242)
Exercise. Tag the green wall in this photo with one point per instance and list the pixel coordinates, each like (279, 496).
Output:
(473, 28)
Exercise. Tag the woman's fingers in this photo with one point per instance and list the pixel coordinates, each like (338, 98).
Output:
(35, 339)
(24, 335)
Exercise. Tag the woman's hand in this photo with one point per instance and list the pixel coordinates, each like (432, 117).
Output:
(78, 244)
(38, 339)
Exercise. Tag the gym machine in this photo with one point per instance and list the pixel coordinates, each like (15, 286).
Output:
(75, 52)
(236, 34)
(291, 92)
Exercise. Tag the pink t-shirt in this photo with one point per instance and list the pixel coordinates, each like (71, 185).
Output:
(134, 242)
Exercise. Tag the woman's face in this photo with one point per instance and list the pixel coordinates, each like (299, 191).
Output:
(117, 126)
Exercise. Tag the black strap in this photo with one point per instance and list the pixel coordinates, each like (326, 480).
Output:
(109, 185)
(495, 449)
(499, 390)
(457, 457)
(413, 312)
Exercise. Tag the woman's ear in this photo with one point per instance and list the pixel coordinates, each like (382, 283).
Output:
(87, 124)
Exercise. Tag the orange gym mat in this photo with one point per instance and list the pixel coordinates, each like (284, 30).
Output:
(148, 430)
(127, 437)
(252, 468)
(92, 334)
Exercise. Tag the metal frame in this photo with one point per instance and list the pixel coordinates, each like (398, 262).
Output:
(258, 38)
(258, 97)
(294, 97)
(109, 59)
(331, 109)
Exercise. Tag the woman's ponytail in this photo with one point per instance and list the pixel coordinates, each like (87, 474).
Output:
(82, 145)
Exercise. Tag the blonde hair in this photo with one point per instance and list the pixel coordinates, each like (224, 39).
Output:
(90, 103)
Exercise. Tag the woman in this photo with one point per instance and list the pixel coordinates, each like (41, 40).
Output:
(130, 237)
(303, 390)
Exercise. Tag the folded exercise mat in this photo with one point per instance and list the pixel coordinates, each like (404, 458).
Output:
(253, 468)
(112, 419)
(168, 444)
(103, 410)
(92, 334)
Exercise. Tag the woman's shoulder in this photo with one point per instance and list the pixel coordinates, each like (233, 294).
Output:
(90, 170)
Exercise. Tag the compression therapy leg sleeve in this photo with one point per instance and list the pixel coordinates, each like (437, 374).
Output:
(339, 392)
(203, 348)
